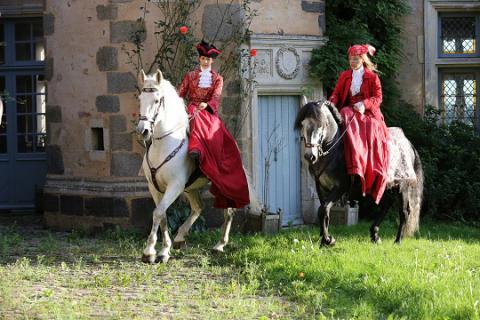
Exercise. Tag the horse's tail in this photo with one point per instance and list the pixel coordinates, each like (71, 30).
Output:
(415, 196)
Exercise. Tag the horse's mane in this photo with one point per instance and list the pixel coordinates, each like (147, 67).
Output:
(169, 92)
(171, 97)
(314, 110)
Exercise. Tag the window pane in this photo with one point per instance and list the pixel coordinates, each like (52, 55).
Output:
(22, 32)
(2, 44)
(25, 143)
(41, 103)
(23, 51)
(25, 104)
(39, 49)
(3, 125)
(24, 124)
(3, 144)
(41, 141)
(458, 35)
(459, 98)
(37, 31)
(2, 85)
(41, 125)
(24, 84)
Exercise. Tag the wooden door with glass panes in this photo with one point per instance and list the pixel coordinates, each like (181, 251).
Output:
(23, 128)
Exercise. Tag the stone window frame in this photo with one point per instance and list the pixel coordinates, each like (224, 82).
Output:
(434, 62)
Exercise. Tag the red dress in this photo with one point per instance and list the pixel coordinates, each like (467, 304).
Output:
(366, 141)
(219, 155)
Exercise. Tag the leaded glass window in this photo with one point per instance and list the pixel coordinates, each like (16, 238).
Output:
(459, 35)
(459, 98)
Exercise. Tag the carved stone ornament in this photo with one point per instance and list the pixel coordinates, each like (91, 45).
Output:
(287, 62)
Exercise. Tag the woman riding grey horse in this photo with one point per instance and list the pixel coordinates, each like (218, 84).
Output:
(321, 128)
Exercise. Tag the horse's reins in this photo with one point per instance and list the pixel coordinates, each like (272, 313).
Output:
(153, 170)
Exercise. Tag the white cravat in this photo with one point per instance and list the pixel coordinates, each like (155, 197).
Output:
(357, 79)
(205, 78)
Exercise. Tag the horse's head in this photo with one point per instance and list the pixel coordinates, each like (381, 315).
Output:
(151, 103)
(318, 123)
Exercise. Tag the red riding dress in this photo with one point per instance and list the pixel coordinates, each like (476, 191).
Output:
(366, 141)
(220, 157)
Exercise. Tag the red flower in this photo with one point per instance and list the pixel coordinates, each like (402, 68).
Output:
(253, 52)
(183, 30)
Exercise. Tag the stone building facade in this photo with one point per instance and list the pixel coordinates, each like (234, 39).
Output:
(442, 58)
(93, 160)
(78, 146)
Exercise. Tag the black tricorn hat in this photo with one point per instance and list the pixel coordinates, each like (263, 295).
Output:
(207, 50)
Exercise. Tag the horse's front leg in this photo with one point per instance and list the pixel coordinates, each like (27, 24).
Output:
(160, 219)
(228, 216)
(196, 207)
(324, 216)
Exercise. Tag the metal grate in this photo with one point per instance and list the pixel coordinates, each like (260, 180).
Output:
(458, 35)
(459, 98)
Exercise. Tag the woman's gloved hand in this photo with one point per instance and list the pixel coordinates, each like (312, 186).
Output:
(359, 107)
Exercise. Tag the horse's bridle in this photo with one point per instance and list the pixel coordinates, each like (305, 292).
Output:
(322, 153)
(160, 103)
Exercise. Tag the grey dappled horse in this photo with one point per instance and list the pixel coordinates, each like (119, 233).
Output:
(321, 128)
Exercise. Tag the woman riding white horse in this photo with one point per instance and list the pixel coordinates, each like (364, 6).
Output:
(166, 164)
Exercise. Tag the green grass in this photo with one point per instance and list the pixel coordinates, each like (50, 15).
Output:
(46, 275)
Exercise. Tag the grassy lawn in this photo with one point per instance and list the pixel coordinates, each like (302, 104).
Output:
(49, 275)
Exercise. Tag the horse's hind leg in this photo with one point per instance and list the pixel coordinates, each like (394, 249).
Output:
(160, 219)
(228, 215)
(403, 214)
(197, 207)
(385, 205)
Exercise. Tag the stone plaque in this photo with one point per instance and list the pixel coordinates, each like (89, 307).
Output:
(264, 66)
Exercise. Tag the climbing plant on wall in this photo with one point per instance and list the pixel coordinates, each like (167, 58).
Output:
(176, 33)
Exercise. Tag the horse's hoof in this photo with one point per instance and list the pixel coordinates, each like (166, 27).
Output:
(217, 250)
(328, 242)
(162, 259)
(148, 258)
(332, 241)
(179, 245)
(377, 240)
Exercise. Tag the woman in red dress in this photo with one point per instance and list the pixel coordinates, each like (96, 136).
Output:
(358, 95)
(210, 143)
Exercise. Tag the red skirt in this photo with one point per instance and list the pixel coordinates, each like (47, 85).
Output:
(220, 159)
(366, 151)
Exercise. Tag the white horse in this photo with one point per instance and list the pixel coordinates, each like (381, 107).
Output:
(167, 166)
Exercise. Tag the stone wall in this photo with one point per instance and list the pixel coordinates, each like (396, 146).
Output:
(411, 73)
(91, 98)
